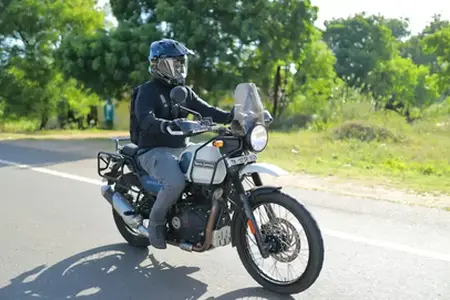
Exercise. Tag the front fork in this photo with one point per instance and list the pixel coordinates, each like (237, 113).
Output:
(269, 210)
(253, 225)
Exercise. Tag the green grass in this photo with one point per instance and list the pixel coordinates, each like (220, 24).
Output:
(377, 149)
(385, 151)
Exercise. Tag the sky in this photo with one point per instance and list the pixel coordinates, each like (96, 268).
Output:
(420, 13)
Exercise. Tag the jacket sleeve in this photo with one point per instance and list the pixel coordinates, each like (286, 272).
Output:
(218, 115)
(145, 113)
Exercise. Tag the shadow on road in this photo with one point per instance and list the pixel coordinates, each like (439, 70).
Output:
(119, 272)
(49, 152)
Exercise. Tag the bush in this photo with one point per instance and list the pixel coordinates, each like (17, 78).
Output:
(19, 126)
(364, 132)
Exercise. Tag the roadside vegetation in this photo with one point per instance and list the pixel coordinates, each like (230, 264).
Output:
(362, 98)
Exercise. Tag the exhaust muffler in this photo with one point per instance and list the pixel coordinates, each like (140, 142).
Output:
(124, 209)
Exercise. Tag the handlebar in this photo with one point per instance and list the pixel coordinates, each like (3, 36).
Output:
(200, 129)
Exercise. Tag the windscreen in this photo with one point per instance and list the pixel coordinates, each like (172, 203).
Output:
(248, 109)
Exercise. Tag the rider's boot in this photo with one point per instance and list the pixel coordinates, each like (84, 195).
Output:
(166, 198)
(157, 235)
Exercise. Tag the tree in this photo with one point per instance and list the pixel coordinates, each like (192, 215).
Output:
(234, 41)
(437, 45)
(399, 27)
(109, 62)
(30, 32)
(359, 43)
(309, 89)
(399, 85)
(414, 48)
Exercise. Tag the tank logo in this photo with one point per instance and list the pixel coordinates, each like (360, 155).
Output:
(204, 164)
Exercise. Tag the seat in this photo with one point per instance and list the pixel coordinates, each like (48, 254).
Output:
(129, 149)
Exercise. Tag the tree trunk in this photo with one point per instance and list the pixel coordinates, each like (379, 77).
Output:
(276, 88)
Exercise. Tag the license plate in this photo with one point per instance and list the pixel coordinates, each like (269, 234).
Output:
(240, 160)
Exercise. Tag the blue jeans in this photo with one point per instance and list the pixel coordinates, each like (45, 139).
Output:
(162, 165)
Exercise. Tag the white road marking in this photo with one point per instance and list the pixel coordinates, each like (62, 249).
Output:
(332, 233)
(52, 172)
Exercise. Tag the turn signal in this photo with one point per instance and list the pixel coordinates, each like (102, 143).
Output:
(218, 143)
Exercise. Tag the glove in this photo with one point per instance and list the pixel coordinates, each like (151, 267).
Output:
(171, 124)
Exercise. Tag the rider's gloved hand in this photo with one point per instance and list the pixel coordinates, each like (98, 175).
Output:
(170, 124)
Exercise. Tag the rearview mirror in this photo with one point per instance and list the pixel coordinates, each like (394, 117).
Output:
(179, 94)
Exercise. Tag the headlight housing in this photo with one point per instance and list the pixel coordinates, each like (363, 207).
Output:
(258, 138)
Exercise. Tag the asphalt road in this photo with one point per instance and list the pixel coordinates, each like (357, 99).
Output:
(58, 241)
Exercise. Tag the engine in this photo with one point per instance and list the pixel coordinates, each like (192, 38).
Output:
(188, 223)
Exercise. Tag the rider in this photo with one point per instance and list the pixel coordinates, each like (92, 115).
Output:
(158, 149)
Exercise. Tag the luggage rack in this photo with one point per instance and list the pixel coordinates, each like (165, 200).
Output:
(110, 165)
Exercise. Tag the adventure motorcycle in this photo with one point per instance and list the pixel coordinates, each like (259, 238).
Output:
(216, 208)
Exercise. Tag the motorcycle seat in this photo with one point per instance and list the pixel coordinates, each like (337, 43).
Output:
(129, 149)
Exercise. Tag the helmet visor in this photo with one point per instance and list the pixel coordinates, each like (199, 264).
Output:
(174, 67)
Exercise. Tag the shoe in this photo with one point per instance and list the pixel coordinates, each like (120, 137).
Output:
(157, 236)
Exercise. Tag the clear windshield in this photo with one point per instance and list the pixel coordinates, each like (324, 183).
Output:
(248, 110)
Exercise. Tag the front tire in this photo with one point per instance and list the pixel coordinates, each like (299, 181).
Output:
(315, 242)
(131, 236)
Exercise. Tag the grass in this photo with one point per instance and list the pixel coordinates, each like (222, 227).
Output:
(381, 149)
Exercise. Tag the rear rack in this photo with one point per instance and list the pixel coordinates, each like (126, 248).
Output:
(109, 165)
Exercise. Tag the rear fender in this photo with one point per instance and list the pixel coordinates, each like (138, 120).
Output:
(239, 212)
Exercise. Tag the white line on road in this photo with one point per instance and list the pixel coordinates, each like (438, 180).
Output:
(52, 172)
(332, 233)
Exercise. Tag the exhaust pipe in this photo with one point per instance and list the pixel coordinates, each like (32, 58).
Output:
(124, 209)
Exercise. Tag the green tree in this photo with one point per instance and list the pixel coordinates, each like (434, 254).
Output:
(400, 85)
(359, 43)
(234, 41)
(437, 44)
(414, 47)
(109, 62)
(30, 32)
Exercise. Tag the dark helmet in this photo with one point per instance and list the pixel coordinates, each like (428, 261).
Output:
(168, 61)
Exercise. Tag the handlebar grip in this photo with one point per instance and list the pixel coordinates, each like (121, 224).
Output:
(174, 132)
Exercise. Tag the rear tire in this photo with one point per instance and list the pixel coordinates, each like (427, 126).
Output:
(313, 233)
(133, 239)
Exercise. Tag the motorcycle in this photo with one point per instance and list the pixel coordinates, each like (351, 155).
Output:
(223, 192)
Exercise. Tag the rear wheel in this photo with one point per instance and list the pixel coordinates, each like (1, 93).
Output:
(133, 237)
(284, 242)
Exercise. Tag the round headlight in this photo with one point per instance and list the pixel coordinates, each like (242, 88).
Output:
(258, 138)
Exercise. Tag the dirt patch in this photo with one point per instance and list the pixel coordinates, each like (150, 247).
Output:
(360, 190)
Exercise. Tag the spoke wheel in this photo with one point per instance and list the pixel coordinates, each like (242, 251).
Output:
(293, 239)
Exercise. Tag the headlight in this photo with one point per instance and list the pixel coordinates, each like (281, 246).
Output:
(258, 138)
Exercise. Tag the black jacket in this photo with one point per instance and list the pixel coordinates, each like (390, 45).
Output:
(153, 112)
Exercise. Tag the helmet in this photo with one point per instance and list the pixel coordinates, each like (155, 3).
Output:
(168, 61)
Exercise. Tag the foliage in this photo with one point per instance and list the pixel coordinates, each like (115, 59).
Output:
(438, 44)
(399, 80)
(359, 43)
(30, 31)
(108, 62)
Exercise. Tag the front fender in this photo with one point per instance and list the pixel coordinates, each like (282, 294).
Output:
(263, 168)
(239, 212)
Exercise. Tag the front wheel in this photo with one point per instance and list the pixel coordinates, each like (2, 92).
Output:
(284, 242)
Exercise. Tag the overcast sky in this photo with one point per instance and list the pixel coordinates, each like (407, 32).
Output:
(419, 13)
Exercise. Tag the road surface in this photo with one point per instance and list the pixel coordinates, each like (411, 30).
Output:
(58, 241)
